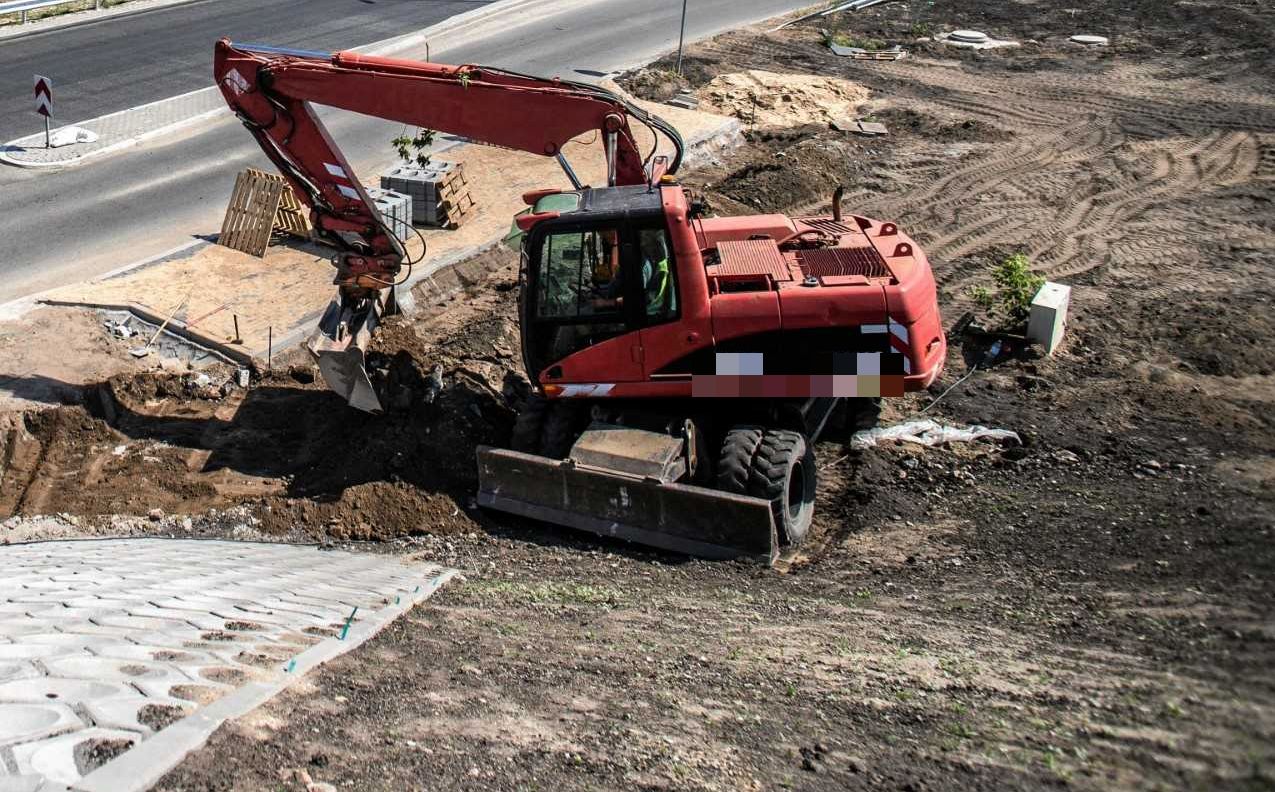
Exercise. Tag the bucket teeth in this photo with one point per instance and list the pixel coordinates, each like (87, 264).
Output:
(340, 344)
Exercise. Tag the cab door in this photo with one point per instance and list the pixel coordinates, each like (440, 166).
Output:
(579, 316)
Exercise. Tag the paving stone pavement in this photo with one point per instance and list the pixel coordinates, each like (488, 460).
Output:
(104, 643)
(117, 130)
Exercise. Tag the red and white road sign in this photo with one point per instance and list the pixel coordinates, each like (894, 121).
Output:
(44, 96)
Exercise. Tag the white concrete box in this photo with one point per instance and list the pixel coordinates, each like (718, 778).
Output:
(1048, 319)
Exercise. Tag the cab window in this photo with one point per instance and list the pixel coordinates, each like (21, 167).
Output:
(580, 276)
(659, 276)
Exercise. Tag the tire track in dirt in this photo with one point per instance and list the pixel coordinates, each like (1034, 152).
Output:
(1088, 230)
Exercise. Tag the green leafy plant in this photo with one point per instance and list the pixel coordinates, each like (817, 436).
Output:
(1016, 285)
(843, 39)
(414, 149)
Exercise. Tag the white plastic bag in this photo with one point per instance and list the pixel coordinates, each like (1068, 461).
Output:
(929, 433)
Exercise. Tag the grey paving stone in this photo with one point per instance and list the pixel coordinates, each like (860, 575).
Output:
(93, 633)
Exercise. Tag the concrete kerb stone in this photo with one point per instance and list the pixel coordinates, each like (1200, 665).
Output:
(202, 100)
(203, 103)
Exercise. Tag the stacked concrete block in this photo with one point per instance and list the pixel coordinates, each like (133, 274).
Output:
(439, 194)
(395, 209)
(422, 184)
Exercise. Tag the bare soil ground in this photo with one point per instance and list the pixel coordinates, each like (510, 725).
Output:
(1092, 609)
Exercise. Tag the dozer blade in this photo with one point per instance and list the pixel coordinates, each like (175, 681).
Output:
(339, 345)
(678, 517)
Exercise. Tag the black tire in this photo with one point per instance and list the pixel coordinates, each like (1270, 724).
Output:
(783, 472)
(561, 426)
(529, 425)
(735, 462)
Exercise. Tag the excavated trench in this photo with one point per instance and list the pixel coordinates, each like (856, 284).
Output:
(286, 448)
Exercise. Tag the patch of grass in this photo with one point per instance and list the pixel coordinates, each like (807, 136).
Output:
(508, 593)
(58, 10)
(842, 39)
(919, 29)
(960, 731)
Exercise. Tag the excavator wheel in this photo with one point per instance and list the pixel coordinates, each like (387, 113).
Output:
(529, 424)
(561, 426)
(735, 463)
(783, 472)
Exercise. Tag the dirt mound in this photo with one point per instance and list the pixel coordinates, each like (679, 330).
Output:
(298, 458)
(771, 99)
(376, 511)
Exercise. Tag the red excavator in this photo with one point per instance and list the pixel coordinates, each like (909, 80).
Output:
(683, 364)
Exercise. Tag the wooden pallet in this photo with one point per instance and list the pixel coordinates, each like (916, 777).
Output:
(455, 204)
(261, 204)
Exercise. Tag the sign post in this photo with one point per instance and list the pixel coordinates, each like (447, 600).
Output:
(681, 39)
(44, 104)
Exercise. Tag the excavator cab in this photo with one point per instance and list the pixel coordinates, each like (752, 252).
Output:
(593, 274)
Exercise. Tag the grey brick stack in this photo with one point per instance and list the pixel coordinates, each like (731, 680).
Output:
(395, 209)
(423, 185)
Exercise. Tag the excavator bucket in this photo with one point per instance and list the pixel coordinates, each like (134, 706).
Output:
(608, 502)
(339, 345)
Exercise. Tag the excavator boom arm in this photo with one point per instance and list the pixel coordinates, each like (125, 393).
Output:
(271, 90)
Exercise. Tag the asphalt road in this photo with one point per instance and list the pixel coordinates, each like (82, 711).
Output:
(57, 228)
(122, 62)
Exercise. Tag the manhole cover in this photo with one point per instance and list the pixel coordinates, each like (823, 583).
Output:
(968, 36)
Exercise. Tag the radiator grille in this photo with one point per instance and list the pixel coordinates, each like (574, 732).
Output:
(840, 261)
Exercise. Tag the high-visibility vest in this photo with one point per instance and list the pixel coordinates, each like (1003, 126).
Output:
(655, 302)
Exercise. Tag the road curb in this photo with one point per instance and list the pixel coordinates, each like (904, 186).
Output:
(382, 47)
(91, 17)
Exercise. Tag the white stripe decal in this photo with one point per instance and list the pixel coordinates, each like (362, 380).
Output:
(237, 82)
(578, 391)
(900, 331)
(878, 328)
(336, 170)
(349, 192)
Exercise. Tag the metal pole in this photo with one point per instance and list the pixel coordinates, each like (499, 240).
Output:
(48, 140)
(681, 39)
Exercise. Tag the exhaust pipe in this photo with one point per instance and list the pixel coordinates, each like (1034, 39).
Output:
(836, 202)
(340, 345)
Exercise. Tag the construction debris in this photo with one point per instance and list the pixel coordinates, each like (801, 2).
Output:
(973, 39)
(69, 136)
(927, 432)
(1090, 41)
(859, 53)
(856, 127)
(853, 5)
(261, 205)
